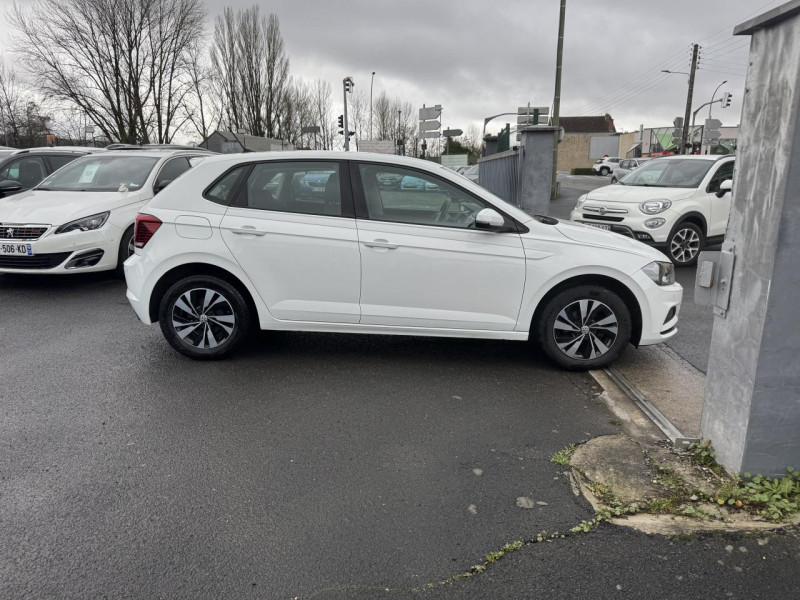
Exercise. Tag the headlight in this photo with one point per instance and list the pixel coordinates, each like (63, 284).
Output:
(85, 224)
(654, 223)
(653, 207)
(663, 273)
(581, 200)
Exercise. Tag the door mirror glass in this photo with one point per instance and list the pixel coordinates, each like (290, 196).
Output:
(160, 185)
(725, 187)
(9, 185)
(488, 218)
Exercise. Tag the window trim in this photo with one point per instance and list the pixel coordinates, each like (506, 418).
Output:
(345, 187)
(246, 168)
(512, 225)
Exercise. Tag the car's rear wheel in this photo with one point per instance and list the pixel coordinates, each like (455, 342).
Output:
(204, 317)
(604, 171)
(585, 327)
(684, 244)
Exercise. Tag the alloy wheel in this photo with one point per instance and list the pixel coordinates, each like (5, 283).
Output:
(585, 329)
(684, 245)
(203, 318)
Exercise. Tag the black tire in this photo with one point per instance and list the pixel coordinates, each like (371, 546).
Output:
(579, 346)
(604, 171)
(124, 251)
(223, 317)
(684, 244)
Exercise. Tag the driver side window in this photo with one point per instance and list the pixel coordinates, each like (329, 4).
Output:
(406, 196)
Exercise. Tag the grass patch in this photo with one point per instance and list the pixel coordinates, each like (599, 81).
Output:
(562, 456)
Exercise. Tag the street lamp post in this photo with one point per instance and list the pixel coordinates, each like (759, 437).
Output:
(702, 106)
(712, 97)
(486, 122)
(371, 81)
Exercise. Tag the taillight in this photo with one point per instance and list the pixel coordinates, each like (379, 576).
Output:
(145, 227)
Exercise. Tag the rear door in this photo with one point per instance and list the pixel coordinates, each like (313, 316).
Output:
(423, 262)
(291, 228)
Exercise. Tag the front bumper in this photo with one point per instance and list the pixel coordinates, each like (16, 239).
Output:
(660, 311)
(56, 254)
(629, 225)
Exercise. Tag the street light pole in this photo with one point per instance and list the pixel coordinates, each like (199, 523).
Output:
(371, 81)
(557, 100)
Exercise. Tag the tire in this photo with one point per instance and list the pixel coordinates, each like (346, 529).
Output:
(216, 305)
(613, 179)
(604, 171)
(584, 327)
(125, 250)
(684, 244)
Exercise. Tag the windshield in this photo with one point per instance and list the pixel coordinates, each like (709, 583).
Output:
(678, 173)
(101, 174)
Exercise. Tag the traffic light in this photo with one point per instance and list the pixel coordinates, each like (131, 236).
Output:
(341, 124)
(348, 84)
(351, 133)
(726, 99)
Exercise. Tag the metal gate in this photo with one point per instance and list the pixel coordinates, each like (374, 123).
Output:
(499, 173)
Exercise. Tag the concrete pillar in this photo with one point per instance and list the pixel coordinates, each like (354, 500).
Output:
(752, 404)
(536, 168)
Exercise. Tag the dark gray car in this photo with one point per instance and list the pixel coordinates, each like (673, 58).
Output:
(626, 166)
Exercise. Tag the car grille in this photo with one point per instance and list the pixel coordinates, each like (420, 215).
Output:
(39, 261)
(602, 218)
(9, 231)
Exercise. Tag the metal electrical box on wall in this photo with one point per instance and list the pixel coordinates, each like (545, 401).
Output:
(712, 285)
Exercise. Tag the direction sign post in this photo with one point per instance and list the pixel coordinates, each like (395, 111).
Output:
(452, 132)
(429, 125)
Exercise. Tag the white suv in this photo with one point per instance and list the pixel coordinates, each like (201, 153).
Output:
(241, 244)
(604, 166)
(679, 204)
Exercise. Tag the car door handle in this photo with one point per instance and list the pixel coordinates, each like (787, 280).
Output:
(248, 230)
(380, 244)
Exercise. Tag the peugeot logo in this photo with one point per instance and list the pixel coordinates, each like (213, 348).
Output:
(602, 210)
(10, 232)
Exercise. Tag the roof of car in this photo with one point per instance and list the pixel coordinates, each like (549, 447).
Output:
(693, 156)
(310, 155)
(159, 152)
(59, 150)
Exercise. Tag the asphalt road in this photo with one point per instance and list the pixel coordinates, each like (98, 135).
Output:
(306, 463)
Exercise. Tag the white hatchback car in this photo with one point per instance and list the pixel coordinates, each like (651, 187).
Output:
(240, 244)
(81, 217)
(676, 203)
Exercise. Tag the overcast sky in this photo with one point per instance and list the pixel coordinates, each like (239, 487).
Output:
(478, 57)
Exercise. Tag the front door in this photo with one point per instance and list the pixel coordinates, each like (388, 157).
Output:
(720, 207)
(292, 231)
(423, 262)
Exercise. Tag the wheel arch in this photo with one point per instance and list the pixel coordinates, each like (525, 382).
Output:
(616, 286)
(692, 217)
(187, 270)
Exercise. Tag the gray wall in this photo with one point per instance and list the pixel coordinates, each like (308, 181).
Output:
(600, 145)
(752, 406)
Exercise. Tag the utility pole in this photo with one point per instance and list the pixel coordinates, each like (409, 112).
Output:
(371, 81)
(685, 136)
(557, 100)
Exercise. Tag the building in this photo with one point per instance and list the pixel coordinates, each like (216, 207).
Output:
(227, 142)
(585, 140)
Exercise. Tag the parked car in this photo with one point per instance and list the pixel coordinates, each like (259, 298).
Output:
(679, 204)
(217, 255)
(416, 183)
(21, 170)
(81, 217)
(471, 173)
(626, 166)
(604, 166)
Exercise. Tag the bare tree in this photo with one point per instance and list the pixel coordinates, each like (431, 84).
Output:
(121, 62)
(277, 66)
(202, 106)
(225, 64)
(384, 117)
(358, 114)
(321, 95)
(12, 102)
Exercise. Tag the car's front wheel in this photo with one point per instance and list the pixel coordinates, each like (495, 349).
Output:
(584, 327)
(684, 244)
(204, 317)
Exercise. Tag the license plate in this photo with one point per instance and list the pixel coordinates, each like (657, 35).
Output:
(599, 226)
(16, 249)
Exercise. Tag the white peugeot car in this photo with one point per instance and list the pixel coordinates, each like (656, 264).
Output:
(81, 218)
(241, 244)
(678, 204)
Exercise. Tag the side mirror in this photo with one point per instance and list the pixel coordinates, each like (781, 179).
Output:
(9, 186)
(724, 187)
(490, 219)
(160, 185)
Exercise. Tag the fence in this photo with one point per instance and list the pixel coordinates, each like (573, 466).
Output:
(499, 173)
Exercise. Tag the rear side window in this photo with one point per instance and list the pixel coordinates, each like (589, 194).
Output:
(173, 169)
(222, 190)
(56, 162)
